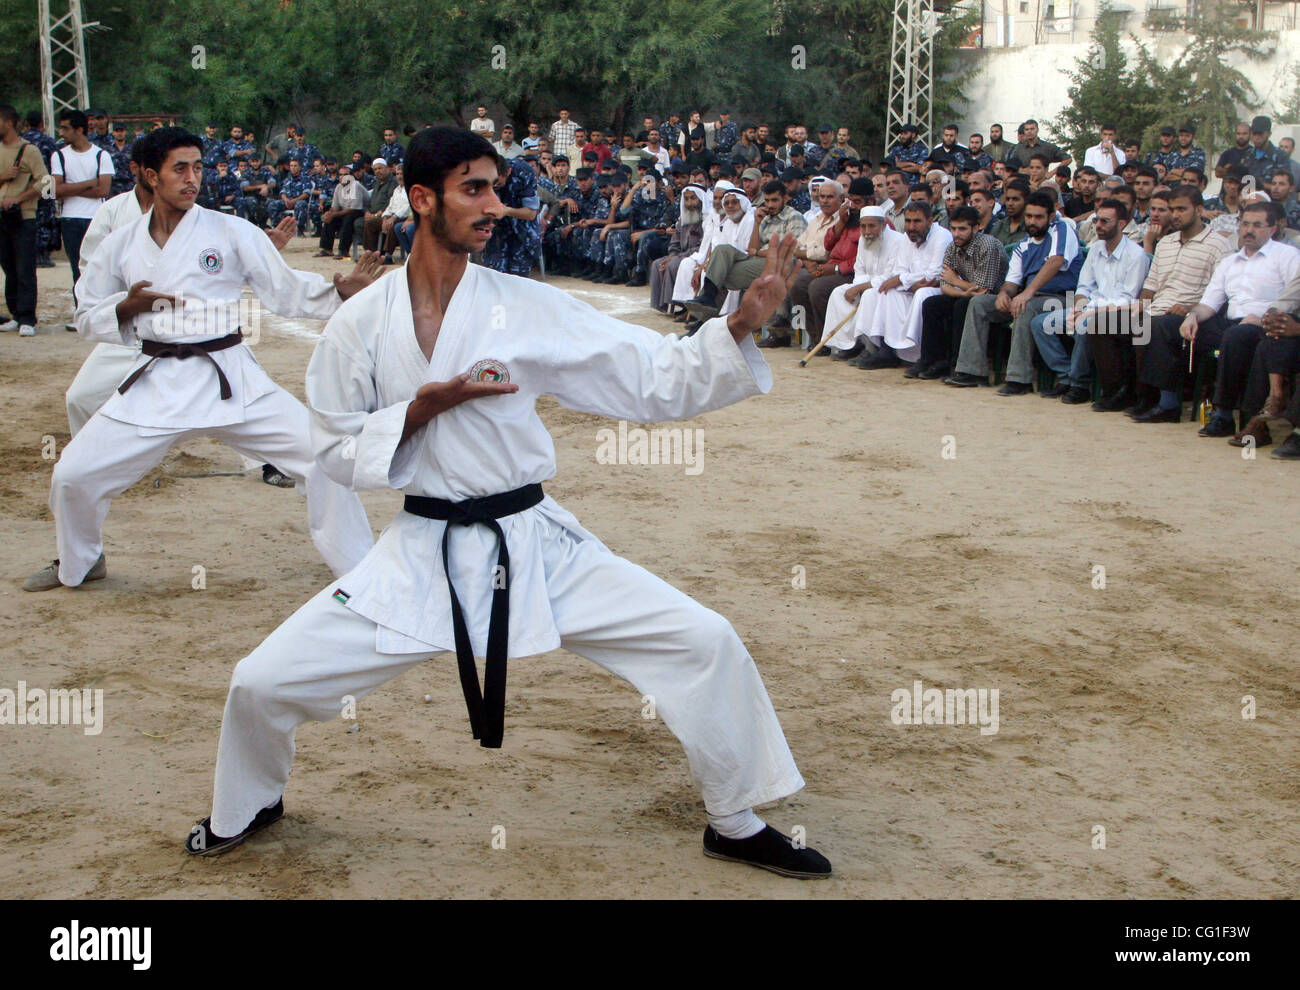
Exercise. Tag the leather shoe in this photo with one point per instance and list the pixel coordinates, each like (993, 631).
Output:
(1217, 427)
(1158, 415)
(774, 341)
(1015, 388)
(1257, 428)
(959, 379)
(880, 360)
(850, 354)
(1115, 402)
(1056, 391)
(914, 371)
(1076, 395)
(1290, 448)
(933, 371)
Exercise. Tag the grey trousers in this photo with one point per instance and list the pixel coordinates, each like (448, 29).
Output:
(730, 268)
(973, 358)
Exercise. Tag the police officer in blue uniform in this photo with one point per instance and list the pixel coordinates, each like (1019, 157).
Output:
(294, 194)
(47, 225)
(515, 238)
(391, 150)
(908, 153)
(256, 191)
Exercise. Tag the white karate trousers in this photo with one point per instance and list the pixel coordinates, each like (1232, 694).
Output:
(897, 321)
(103, 371)
(107, 457)
(705, 684)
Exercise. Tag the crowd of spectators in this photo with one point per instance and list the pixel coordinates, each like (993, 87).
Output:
(1118, 282)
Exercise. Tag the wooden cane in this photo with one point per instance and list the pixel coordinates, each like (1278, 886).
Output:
(827, 336)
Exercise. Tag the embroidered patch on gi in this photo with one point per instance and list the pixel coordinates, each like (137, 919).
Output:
(489, 370)
(341, 596)
(210, 260)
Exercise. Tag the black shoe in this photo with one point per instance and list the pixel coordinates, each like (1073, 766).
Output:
(705, 305)
(637, 280)
(959, 379)
(388, 259)
(861, 360)
(618, 276)
(43, 261)
(1056, 391)
(937, 370)
(850, 354)
(1076, 395)
(1290, 448)
(1141, 409)
(202, 841)
(1015, 388)
(1158, 415)
(1115, 402)
(914, 371)
(272, 475)
(881, 360)
(774, 341)
(1218, 427)
(768, 850)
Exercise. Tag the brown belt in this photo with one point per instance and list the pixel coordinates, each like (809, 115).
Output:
(157, 349)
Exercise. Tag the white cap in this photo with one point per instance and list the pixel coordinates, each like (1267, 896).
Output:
(378, 161)
(871, 211)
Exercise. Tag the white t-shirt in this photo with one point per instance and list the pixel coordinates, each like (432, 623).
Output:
(81, 168)
(482, 125)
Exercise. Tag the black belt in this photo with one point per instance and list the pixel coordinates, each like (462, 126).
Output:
(487, 708)
(156, 349)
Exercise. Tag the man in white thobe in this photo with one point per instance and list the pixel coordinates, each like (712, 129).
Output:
(878, 243)
(195, 377)
(896, 323)
(427, 383)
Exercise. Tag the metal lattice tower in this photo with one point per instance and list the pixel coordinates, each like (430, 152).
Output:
(64, 83)
(911, 65)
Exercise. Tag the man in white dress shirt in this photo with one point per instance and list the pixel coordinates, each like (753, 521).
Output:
(1106, 156)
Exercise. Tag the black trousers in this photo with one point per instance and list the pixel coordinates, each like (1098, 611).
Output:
(340, 227)
(1273, 356)
(1236, 355)
(18, 262)
(942, 319)
(1165, 365)
(74, 231)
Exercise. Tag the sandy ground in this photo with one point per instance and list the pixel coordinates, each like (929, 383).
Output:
(1119, 708)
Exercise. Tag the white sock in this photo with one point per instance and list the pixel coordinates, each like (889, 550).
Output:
(741, 825)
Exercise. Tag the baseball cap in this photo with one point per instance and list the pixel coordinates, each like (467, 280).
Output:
(752, 173)
(1188, 126)
(825, 129)
(560, 158)
(1166, 130)
(1261, 125)
(907, 127)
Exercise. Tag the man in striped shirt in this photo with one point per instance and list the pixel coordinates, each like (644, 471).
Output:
(1184, 260)
(1044, 266)
(562, 133)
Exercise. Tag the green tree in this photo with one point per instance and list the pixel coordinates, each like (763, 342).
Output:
(1105, 89)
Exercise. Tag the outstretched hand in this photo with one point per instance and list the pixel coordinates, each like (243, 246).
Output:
(437, 397)
(766, 293)
(283, 232)
(369, 267)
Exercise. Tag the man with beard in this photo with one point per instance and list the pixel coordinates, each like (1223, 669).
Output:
(685, 240)
(1244, 286)
(1109, 283)
(974, 264)
(896, 325)
(1239, 155)
(409, 388)
(878, 246)
(346, 207)
(1181, 267)
(1044, 266)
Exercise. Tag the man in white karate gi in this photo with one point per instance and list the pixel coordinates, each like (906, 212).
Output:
(427, 382)
(896, 323)
(194, 377)
(878, 246)
(110, 362)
